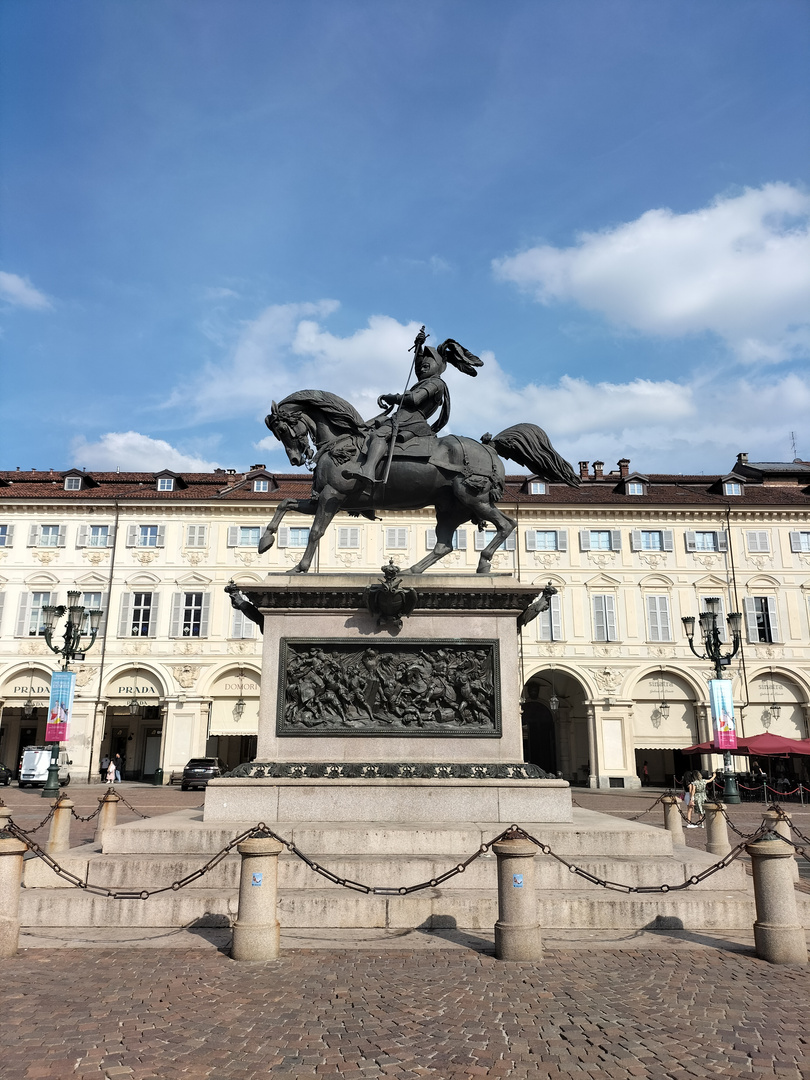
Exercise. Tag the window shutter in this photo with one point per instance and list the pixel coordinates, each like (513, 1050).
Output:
(610, 618)
(690, 540)
(795, 541)
(2, 605)
(112, 532)
(348, 536)
(105, 607)
(460, 539)
(9, 535)
(480, 539)
(653, 626)
(176, 615)
(204, 614)
(233, 536)
(202, 535)
(668, 540)
(556, 617)
(430, 539)
(584, 540)
(153, 617)
(125, 621)
(750, 609)
(283, 537)
(635, 540)
(132, 535)
(562, 539)
(599, 624)
(773, 619)
(81, 536)
(60, 542)
(722, 540)
(237, 619)
(758, 542)
(33, 536)
(22, 615)
(531, 539)
(511, 541)
(161, 536)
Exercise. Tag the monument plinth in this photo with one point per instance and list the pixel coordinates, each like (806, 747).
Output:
(369, 714)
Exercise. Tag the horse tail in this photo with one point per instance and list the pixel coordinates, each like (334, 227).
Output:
(528, 445)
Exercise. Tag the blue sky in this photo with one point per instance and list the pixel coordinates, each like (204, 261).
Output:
(208, 204)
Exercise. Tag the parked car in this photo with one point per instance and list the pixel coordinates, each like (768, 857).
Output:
(34, 765)
(200, 770)
(5, 775)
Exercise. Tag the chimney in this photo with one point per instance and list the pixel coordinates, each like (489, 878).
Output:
(254, 467)
(583, 470)
(597, 470)
(624, 466)
(742, 459)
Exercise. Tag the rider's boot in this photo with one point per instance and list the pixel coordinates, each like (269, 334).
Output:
(365, 475)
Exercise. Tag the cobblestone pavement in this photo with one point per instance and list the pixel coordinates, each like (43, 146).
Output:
(139, 1015)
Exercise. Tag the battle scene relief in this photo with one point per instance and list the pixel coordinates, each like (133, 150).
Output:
(444, 687)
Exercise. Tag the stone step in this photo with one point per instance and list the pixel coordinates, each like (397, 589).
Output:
(430, 909)
(151, 871)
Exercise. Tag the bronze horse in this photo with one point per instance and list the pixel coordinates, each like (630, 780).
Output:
(462, 478)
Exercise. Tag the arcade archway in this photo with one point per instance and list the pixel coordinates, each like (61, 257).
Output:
(555, 725)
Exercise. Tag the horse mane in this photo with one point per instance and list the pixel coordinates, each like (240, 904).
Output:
(341, 414)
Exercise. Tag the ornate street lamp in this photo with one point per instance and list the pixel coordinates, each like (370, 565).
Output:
(29, 708)
(712, 646)
(239, 706)
(69, 650)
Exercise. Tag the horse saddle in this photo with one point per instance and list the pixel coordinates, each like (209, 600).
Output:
(420, 447)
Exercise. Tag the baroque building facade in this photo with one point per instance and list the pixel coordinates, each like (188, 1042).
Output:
(609, 679)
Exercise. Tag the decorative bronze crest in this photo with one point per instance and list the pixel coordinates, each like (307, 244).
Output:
(389, 601)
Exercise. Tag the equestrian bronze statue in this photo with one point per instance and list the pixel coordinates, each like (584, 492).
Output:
(397, 461)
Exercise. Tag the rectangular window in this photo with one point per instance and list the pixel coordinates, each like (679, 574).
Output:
(249, 536)
(658, 620)
(705, 541)
(261, 485)
(348, 537)
(196, 535)
(73, 483)
(651, 540)
(600, 540)
(295, 537)
(634, 488)
(760, 618)
(396, 538)
(537, 487)
(759, 542)
(91, 601)
(49, 536)
(165, 483)
(549, 623)
(731, 487)
(604, 618)
(485, 537)
(459, 540)
(147, 536)
(39, 600)
(192, 614)
(98, 536)
(541, 540)
(141, 619)
(7, 535)
(242, 626)
(799, 541)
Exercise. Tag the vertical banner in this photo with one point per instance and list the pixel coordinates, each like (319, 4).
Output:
(725, 730)
(63, 686)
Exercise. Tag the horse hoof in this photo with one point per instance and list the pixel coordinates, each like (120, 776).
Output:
(297, 570)
(267, 540)
(486, 568)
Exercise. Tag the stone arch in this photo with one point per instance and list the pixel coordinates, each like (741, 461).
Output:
(557, 740)
(129, 667)
(773, 684)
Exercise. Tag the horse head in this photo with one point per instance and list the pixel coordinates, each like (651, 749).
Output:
(294, 430)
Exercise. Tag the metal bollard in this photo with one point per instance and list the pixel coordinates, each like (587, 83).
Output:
(717, 842)
(672, 819)
(109, 813)
(517, 931)
(59, 836)
(256, 930)
(11, 864)
(778, 934)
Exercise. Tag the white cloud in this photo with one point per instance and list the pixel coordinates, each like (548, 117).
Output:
(739, 268)
(21, 293)
(134, 452)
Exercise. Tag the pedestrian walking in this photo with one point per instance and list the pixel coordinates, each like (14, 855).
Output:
(700, 782)
(118, 761)
(645, 775)
(111, 772)
(105, 764)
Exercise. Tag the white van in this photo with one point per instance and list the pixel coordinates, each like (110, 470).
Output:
(34, 765)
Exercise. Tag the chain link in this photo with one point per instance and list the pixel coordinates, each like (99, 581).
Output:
(44, 821)
(784, 816)
(126, 802)
(89, 817)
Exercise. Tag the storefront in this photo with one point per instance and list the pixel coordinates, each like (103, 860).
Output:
(234, 717)
(25, 696)
(134, 722)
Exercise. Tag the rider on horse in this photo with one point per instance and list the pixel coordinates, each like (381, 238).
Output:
(415, 407)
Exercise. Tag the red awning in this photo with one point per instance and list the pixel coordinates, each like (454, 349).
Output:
(765, 745)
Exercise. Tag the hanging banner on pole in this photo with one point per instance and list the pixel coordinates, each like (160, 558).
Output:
(63, 687)
(723, 725)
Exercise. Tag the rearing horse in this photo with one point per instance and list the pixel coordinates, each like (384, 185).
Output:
(463, 479)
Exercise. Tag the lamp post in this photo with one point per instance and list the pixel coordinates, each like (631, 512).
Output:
(68, 650)
(713, 651)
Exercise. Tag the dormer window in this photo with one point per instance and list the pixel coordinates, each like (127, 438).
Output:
(732, 487)
(537, 487)
(261, 485)
(165, 483)
(73, 483)
(634, 487)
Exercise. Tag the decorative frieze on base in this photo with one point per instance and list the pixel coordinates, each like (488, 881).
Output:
(388, 770)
